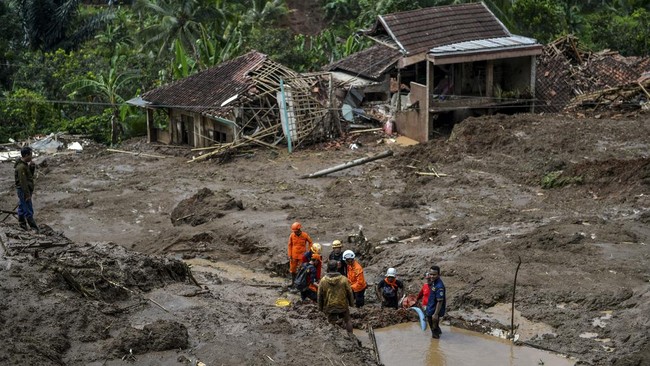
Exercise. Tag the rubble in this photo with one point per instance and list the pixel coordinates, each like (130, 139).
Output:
(565, 71)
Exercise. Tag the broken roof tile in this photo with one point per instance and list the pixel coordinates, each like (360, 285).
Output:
(207, 90)
(370, 63)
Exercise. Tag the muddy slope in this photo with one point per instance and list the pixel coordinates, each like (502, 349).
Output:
(568, 196)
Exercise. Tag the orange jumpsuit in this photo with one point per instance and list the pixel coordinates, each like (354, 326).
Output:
(298, 246)
(355, 275)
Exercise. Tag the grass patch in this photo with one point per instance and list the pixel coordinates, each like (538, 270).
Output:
(555, 179)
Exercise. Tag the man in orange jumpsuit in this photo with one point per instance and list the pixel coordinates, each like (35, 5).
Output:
(356, 278)
(299, 244)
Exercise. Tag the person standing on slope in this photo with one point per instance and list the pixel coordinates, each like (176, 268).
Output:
(24, 169)
(356, 278)
(437, 302)
(335, 296)
(299, 244)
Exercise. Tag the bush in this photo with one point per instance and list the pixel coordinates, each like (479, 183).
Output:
(24, 113)
(97, 127)
(555, 179)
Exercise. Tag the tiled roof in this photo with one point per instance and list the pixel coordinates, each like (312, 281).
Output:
(417, 31)
(207, 90)
(370, 63)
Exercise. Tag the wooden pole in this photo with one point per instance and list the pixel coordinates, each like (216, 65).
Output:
(349, 164)
(512, 309)
(373, 340)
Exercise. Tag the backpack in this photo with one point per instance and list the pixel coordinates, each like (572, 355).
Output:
(389, 291)
(301, 283)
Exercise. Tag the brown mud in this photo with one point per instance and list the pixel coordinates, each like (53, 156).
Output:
(118, 288)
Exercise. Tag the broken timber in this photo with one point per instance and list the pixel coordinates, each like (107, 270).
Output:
(349, 164)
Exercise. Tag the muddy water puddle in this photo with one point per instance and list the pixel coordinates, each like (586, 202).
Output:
(407, 344)
(233, 272)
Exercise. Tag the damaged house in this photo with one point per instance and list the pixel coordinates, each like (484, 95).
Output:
(249, 99)
(445, 63)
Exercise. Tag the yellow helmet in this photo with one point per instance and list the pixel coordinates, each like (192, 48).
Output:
(316, 248)
(336, 244)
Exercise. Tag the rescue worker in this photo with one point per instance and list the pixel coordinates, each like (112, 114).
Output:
(337, 255)
(356, 278)
(437, 302)
(24, 169)
(316, 249)
(423, 295)
(390, 289)
(315, 257)
(311, 291)
(299, 244)
(335, 296)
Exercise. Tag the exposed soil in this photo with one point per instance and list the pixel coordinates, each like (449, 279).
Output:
(118, 288)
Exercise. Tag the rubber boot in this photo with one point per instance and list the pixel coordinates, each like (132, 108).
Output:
(32, 224)
(22, 222)
(293, 280)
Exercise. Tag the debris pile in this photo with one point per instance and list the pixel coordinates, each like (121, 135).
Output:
(203, 207)
(602, 79)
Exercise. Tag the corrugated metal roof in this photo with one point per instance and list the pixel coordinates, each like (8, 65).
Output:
(207, 90)
(370, 63)
(418, 31)
(501, 43)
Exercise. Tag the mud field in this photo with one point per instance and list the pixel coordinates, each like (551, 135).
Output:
(156, 261)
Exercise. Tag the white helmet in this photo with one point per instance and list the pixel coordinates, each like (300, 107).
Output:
(391, 272)
(348, 254)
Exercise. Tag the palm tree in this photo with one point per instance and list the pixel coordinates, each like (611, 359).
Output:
(52, 24)
(265, 12)
(179, 19)
(106, 89)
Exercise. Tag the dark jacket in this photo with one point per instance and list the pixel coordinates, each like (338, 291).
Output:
(24, 176)
(334, 294)
(342, 265)
(438, 293)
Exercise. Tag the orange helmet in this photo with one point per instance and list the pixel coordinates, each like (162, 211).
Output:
(296, 226)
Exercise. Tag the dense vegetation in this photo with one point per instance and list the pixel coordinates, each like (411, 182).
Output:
(69, 65)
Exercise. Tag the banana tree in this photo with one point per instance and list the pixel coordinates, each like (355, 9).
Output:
(106, 89)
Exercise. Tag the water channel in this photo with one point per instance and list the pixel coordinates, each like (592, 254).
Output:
(407, 344)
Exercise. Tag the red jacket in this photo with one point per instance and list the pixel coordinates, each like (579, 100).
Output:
(424, 294)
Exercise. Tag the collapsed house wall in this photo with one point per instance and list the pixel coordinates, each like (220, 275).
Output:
(414, 121)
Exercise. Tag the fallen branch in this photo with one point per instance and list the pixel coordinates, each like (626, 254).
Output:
(249, 138)
(4, 242)
(195, 293)
(73, 283)
(437, 175)
(191, 275)
(366, 130)
(644, 90)
(135, 153)
(184, 217)
(157, 304)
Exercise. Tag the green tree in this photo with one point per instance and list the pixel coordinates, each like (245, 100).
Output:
(9, 41)
(24, 112)
(543, 20)
(627, 34)
(52, 24)
(105, 89)
(263, 13)
(182, 20)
